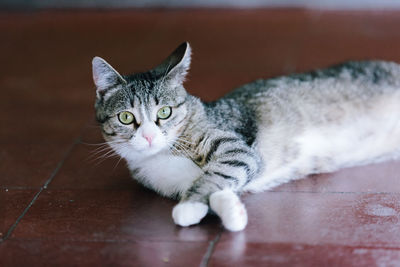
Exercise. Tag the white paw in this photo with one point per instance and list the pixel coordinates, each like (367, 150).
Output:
(188, 213)
(230, 209)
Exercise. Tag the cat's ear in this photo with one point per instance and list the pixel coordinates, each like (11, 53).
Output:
(104, 76)
(174, 69)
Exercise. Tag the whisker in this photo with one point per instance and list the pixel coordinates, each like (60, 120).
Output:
(183, 142)
(188, 147)
(94, 144)
(102, 160)
(93, 157)
(106, 156)
(181, 151)
(120, 158)
(100, 150)
(185, 139)
(103, 147)
(176, 152)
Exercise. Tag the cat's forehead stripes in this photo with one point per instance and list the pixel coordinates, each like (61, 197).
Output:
(144, 90)
(145, 113)
(135, 100)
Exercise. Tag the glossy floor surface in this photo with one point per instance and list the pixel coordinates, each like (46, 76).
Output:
(63, 203)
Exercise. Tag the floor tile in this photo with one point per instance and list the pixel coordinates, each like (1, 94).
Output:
(322, 218)
(92, 166)
(283, 254)
(12, 204)
(116, 215)
(29, 165)
(69, 253)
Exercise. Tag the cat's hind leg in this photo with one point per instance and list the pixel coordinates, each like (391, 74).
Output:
(227, 205)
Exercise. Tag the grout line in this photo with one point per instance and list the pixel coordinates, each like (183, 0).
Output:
(48, 181)
(9, 232)
(210, 250)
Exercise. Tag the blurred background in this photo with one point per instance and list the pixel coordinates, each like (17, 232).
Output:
(352, 4)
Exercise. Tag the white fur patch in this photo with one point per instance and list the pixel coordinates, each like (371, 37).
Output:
(166, 173)
(230, 209)
(189, 213)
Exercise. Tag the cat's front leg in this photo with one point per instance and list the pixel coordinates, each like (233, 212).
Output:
(188, 213)
(225, 203)
(230, 164)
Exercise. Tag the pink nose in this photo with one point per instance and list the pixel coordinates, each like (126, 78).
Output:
(149, 138)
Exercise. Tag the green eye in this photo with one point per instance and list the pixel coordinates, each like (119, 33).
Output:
(126, 117)
(164, 113)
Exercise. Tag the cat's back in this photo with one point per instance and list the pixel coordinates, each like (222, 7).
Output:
(347, 87)
(349, 78)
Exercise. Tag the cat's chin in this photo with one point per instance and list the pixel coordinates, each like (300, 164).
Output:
(147, 152)
(135, 153)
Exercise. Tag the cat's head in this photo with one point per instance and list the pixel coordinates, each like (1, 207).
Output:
(142, 114)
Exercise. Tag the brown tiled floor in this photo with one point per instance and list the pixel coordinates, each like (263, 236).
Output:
(59, 205)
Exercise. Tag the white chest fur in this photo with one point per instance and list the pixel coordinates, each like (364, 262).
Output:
(166, 173)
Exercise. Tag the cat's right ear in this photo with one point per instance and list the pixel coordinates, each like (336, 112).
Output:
(105, 77)
(174, 69)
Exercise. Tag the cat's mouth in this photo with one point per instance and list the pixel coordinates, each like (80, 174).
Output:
(146, 149)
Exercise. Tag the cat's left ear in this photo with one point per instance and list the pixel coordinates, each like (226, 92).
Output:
(105, 77)
(175, 68)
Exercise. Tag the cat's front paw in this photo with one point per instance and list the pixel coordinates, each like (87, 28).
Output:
(189, 213)
(230, 209)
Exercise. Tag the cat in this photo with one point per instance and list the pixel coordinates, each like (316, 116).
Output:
(259, 136)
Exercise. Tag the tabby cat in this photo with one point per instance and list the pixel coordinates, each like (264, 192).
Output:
(261, 135)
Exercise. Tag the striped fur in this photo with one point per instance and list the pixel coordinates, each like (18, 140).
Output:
(261, 135)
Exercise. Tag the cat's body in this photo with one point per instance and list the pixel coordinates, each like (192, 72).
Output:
(259, 136)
